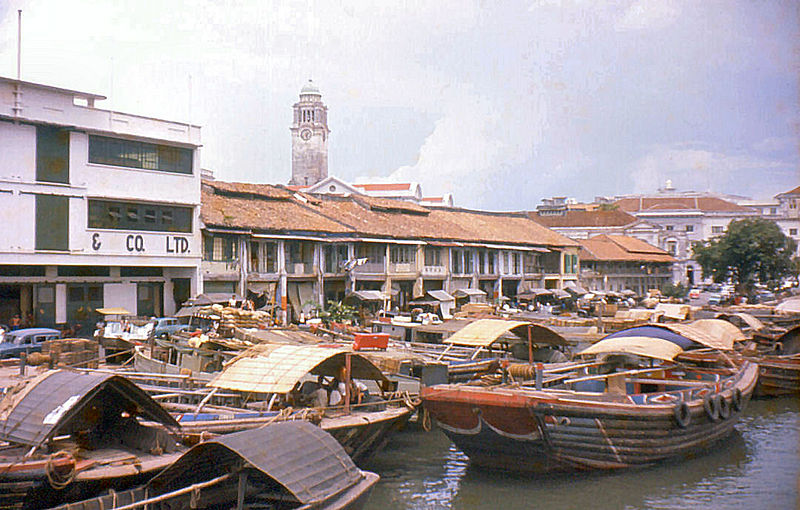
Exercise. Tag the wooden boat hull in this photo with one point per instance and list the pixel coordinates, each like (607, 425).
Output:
(777, 376)
(551, 430)
(25, 485)
(362, 434)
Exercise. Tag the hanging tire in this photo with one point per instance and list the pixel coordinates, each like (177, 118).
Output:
(682, 415)
(711, 406)
(723, 406)
(736, 400)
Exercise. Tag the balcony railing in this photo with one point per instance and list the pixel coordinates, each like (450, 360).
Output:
(434, 271)
(370, 268)
(407, 267)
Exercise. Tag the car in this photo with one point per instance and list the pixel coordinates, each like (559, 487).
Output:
(694, 293)
(165, 326)
(26, 340)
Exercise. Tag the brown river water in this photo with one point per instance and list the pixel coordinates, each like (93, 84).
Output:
(757, 467)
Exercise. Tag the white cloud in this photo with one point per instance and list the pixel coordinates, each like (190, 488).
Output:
(648, 14)
(700, 169)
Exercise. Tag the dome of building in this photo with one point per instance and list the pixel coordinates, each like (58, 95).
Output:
(310, 89)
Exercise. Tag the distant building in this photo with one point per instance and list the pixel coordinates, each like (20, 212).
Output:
(407, 191)
(617, 262)
(99, 208)
(302, 249)
(309, 138)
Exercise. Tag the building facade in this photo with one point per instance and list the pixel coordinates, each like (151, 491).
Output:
(618, 262)
(302, 250)
(309, 138)
(100, 208)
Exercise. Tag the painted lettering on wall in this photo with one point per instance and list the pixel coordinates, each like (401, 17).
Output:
(96, 242)
(134, 243)
(177, 244)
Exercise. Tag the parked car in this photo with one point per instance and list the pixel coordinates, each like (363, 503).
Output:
(26, 340)
(165, 326)
(694, 293)
(715, 298)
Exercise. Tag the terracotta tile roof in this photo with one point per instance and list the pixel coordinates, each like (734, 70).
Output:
(795, 191)
(621, 248)
(705, 204)
(275, 209)
(384, 186)
(584, 218)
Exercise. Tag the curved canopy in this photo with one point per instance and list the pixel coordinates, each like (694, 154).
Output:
(303, 459)
(640, 345)
(713, 333)
(46, 405)
(746, 318)
(485, 332)
(277, 368)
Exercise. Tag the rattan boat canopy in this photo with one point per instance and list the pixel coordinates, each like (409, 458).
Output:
(277, 368)
(485, 332)
(639, 345)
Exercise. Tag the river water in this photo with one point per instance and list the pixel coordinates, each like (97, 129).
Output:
(757, 467)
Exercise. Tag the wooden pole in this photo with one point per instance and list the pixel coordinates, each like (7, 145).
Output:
(530, 345)
(242, 490)
(347, 378)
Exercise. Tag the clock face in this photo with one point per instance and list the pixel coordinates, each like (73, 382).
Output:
(305, 134)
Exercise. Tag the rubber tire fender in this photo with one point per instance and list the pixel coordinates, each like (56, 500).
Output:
(736, 400)
(711, 406)
(682, 415)
(723, 406)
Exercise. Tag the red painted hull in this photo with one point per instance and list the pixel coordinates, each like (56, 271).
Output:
(528, 430)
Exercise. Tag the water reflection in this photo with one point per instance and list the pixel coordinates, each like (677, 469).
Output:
(758, 466)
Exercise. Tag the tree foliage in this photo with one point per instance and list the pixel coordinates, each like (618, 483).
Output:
(675, 291)
(338, 312)
(753, 250)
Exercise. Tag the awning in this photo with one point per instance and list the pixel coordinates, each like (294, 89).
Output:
(369, 295)
(277, 368)
(440, 295)
(534, 293)
(484, 332)
(299, 457)
(469, 292)
(575, 287)
(113, 311)
(714, 333)
(561, 294)
(639, 345)
(791, 305)
(262, 287)
(211, 298)
(746, 318)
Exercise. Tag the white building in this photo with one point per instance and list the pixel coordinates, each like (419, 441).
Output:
(99, 208)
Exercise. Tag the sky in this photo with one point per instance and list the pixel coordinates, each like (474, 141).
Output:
(500, 103)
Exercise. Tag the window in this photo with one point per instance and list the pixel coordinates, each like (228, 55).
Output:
(402, 254)
(792, 231)
(530, 263)
(335, 257)
(516, 263)
(690, 228)
(433, 256)
(52, 222)
(482, 261)
(773, 210)
(717, 229)
(669, 227)
(468, 267)
(492, 256)
(299, 252)
(135, 216)
(134, 154)
(570, 263)
(457, 259)
(672, 247)
(373, 252)
(52, 154)
(219, 248)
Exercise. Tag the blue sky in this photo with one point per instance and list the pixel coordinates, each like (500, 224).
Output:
(500, 103)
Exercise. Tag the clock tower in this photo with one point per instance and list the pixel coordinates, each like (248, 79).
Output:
(309, 138)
